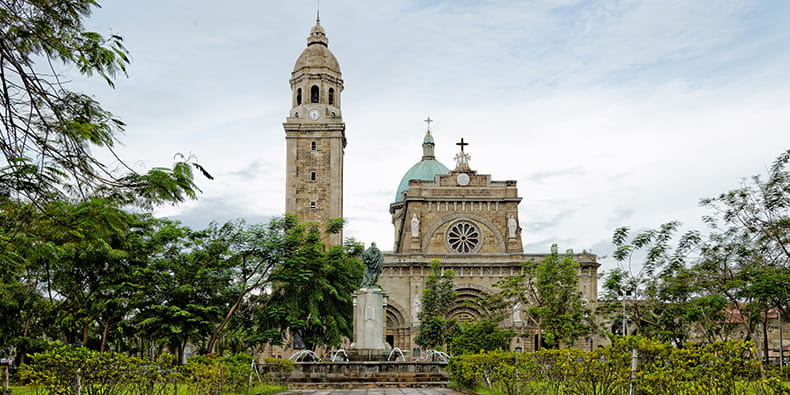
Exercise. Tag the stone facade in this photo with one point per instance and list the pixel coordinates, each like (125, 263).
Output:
(468, 222)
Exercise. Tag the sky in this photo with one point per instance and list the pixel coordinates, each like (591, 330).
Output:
(607, 113)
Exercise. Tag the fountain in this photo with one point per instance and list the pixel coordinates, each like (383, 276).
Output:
(336, 357)
(434, 355)
(304, 353)
(402, 358)
(367, 362)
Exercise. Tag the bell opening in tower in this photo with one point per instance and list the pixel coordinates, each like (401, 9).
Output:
(314, 94)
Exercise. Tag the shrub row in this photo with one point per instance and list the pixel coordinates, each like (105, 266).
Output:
(723, 368)
(61, 370)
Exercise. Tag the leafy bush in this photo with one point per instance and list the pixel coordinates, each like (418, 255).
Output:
(56, 371)
(722, 368)
(204, 375)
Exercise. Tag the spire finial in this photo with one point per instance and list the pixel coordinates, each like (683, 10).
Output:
(317, 12)
(428, 121)
(427, 142)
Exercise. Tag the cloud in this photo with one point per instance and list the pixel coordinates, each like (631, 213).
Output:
(542, 177)
(606, 113)
(216, 210)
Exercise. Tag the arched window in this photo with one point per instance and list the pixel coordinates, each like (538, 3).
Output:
(299, 96)
(312, 176)
(331, 96)
(314, 94)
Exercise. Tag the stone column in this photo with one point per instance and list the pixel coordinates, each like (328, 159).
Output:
(369, 344)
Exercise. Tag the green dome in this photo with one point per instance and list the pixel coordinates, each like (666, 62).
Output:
(425, 170)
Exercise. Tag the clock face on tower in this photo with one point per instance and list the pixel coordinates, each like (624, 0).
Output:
(314, 114)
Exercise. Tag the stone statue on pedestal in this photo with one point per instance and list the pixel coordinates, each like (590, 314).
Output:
(374, 263)
(369, 302)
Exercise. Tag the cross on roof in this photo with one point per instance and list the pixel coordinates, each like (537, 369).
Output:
(428, 121)
(462, 144)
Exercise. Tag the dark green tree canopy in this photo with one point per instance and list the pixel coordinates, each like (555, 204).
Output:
(438, 297)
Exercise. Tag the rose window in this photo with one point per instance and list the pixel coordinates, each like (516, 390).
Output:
(463, 237)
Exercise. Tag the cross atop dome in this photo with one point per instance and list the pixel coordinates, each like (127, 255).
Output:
(428, 121)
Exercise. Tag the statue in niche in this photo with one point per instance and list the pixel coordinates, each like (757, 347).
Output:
(512, 226)
(517, 312)
(416, 305)
(374, 263)
(415, 226)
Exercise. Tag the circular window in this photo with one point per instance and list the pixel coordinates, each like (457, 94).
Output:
(463, 237)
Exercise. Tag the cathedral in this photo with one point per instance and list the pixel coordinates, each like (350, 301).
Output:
(466, 220)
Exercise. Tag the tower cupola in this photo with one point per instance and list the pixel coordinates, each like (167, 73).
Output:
(316, 81)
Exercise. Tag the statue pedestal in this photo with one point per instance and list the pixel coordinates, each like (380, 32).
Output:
(415, 246)
(369, 344)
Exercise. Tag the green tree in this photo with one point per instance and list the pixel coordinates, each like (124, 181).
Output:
(549, 291)
(252, 254)
(70, 269)
(92, 259)
(180, 293)
(742, 265)
(311, 288)
(747, 258)
(652, 281)
(438, 297)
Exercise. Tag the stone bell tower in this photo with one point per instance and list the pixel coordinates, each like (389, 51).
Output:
(315, 137)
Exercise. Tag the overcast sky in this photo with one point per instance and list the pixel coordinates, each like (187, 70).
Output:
(607, 113)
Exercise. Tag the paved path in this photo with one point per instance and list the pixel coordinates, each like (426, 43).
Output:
(377, 391)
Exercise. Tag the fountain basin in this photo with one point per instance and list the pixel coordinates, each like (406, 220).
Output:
(361, 374)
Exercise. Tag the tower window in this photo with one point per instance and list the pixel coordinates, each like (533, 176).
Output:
(312, 176)
(312, 205)
(299, 96)
(312, 145)
(331, 96)
(314, 94)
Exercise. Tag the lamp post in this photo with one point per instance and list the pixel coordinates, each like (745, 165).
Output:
(625, 328)
(781, 344)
